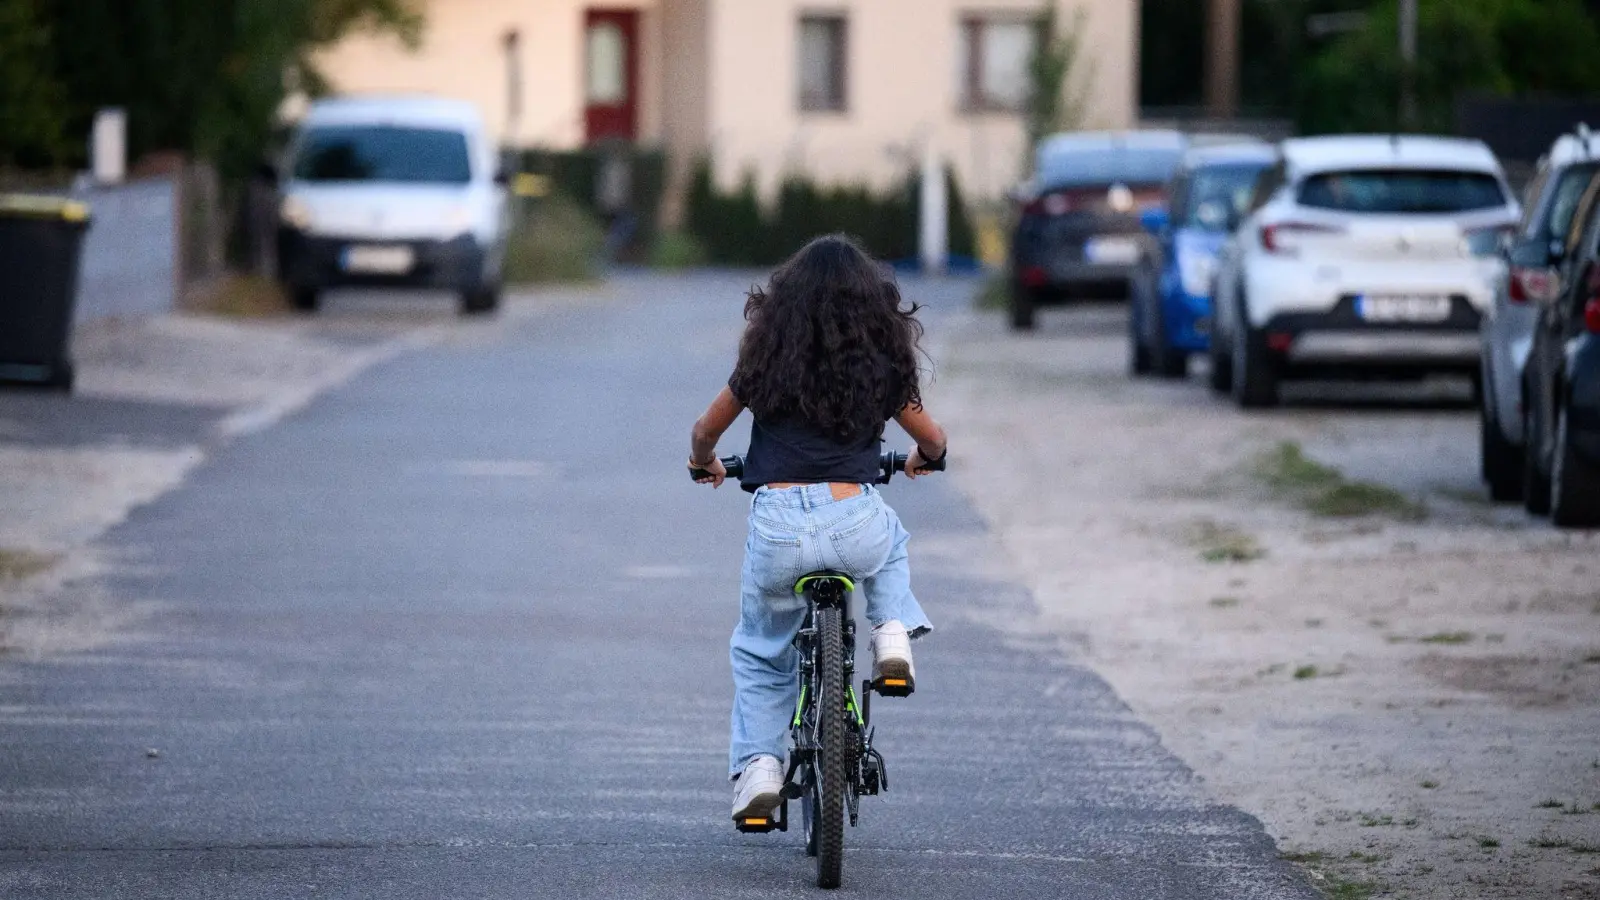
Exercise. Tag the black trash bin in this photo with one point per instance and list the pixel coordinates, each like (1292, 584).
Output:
(41, 239)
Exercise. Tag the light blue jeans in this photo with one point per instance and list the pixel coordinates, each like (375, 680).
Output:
(794, 531)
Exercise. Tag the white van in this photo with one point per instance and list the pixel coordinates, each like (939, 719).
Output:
(392, 191)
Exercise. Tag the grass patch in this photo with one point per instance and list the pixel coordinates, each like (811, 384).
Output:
(1429, 784)
(1305, 672)
(1574, 810)
(1551, 803)
(557, 241)
(241, 296)
(677, 250)
(1488, 842)
(995, 293)
(16, 565)
(1549, 843)
(1371, 821)
(1224, 543)
(1223, 602)
(1324, 491)
(1447, 637)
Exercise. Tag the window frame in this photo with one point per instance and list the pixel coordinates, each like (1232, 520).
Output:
(970, 24)
(838, 101)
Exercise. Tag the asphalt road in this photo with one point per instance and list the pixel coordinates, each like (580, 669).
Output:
(459, 629)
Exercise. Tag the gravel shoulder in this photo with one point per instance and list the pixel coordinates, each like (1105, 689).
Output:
(1312, 605)
(155, 398)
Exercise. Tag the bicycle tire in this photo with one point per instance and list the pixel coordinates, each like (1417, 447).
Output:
(829, 825)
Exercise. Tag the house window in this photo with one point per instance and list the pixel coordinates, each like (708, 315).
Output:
(822, 63)
(995, 54)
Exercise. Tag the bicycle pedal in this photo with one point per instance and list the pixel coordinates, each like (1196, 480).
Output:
(894, 687)
(758, 824)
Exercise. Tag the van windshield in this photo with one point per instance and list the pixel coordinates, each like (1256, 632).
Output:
(383, 153)
(1402, 191)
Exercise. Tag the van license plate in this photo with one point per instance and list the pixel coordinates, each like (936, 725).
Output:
(1403, 308)
(379, 260)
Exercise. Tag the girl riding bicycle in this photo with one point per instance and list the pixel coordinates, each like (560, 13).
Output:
(828, 356)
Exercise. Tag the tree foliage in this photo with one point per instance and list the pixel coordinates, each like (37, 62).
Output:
(31, 96)
(205, 77)
(1055, 102)
(1351, 81)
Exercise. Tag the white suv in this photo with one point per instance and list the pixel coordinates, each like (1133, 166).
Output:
(1360, 254)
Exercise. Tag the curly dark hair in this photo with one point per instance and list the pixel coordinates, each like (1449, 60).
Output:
(828, 342)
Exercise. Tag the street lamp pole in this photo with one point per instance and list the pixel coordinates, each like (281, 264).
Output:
(1222, 59)
(1408, 64)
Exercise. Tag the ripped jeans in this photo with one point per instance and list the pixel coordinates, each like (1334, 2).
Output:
(794, 531)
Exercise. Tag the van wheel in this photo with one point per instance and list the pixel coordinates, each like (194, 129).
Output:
(306, 300)
(480, 302)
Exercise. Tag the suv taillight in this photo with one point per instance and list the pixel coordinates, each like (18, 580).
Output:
(1531, 285)
(1278, 237)
(1591, 315)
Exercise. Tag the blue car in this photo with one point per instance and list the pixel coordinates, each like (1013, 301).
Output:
(1169, 313)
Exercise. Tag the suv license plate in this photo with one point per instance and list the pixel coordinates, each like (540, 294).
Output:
(378, 260)
(1403, 308)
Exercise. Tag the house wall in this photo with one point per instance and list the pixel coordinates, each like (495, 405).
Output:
(462, 56)
(719, 77)
(903, 91)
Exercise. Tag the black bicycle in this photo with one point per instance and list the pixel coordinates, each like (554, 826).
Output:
(832, 762)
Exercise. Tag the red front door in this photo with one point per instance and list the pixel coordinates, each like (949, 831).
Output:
(611, 74)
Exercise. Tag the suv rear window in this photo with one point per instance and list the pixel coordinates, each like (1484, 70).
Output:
(1107, 166)
(383, 153)
(1401, 191)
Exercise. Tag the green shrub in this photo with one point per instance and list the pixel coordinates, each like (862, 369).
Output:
(574, 174)
(676, 250)
(555, 239)
(735, 229)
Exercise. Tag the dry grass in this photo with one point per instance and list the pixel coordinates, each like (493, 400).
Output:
(241, 296)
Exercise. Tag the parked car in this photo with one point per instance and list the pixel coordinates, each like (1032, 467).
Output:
(392, 191)
(1357, 258)
(1526, 278)
(1078, 231)
(1209, 195)
(1561, 408)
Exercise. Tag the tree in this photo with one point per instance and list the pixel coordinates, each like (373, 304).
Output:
(205, 77)
(1464, 46)
(1055, 102)
(31, 96)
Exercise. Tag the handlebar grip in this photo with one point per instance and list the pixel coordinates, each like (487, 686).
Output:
(733, 464)
(896, 462)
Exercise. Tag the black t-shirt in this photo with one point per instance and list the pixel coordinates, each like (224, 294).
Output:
(789, 449)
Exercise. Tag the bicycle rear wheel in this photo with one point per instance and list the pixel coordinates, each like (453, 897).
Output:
(828, 826)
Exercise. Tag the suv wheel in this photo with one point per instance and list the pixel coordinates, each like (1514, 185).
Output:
(1022, 316)
(1255, 381)
(1535, 481)
(1502, 460)
(1574, 484)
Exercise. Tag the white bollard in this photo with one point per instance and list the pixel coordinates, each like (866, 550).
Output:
(933, 240)
(108, 146)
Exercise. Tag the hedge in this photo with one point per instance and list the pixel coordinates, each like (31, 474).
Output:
(735, 229)
(574, 174)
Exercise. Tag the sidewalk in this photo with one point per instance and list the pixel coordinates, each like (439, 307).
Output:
(155, 397)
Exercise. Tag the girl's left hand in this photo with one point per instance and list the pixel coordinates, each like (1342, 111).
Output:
(717, 470)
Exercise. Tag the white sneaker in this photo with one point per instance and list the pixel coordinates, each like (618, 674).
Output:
(759, 789)
(891, 654)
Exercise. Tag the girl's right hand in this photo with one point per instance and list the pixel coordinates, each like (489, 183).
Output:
(718, 472)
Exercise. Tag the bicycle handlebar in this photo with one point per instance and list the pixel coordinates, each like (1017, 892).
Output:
(888, 464)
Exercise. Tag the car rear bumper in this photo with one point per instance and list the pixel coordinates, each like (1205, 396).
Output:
(315, 262)
(1342, 338)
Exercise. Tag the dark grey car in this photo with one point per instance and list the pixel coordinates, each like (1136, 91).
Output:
(1078, 230)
